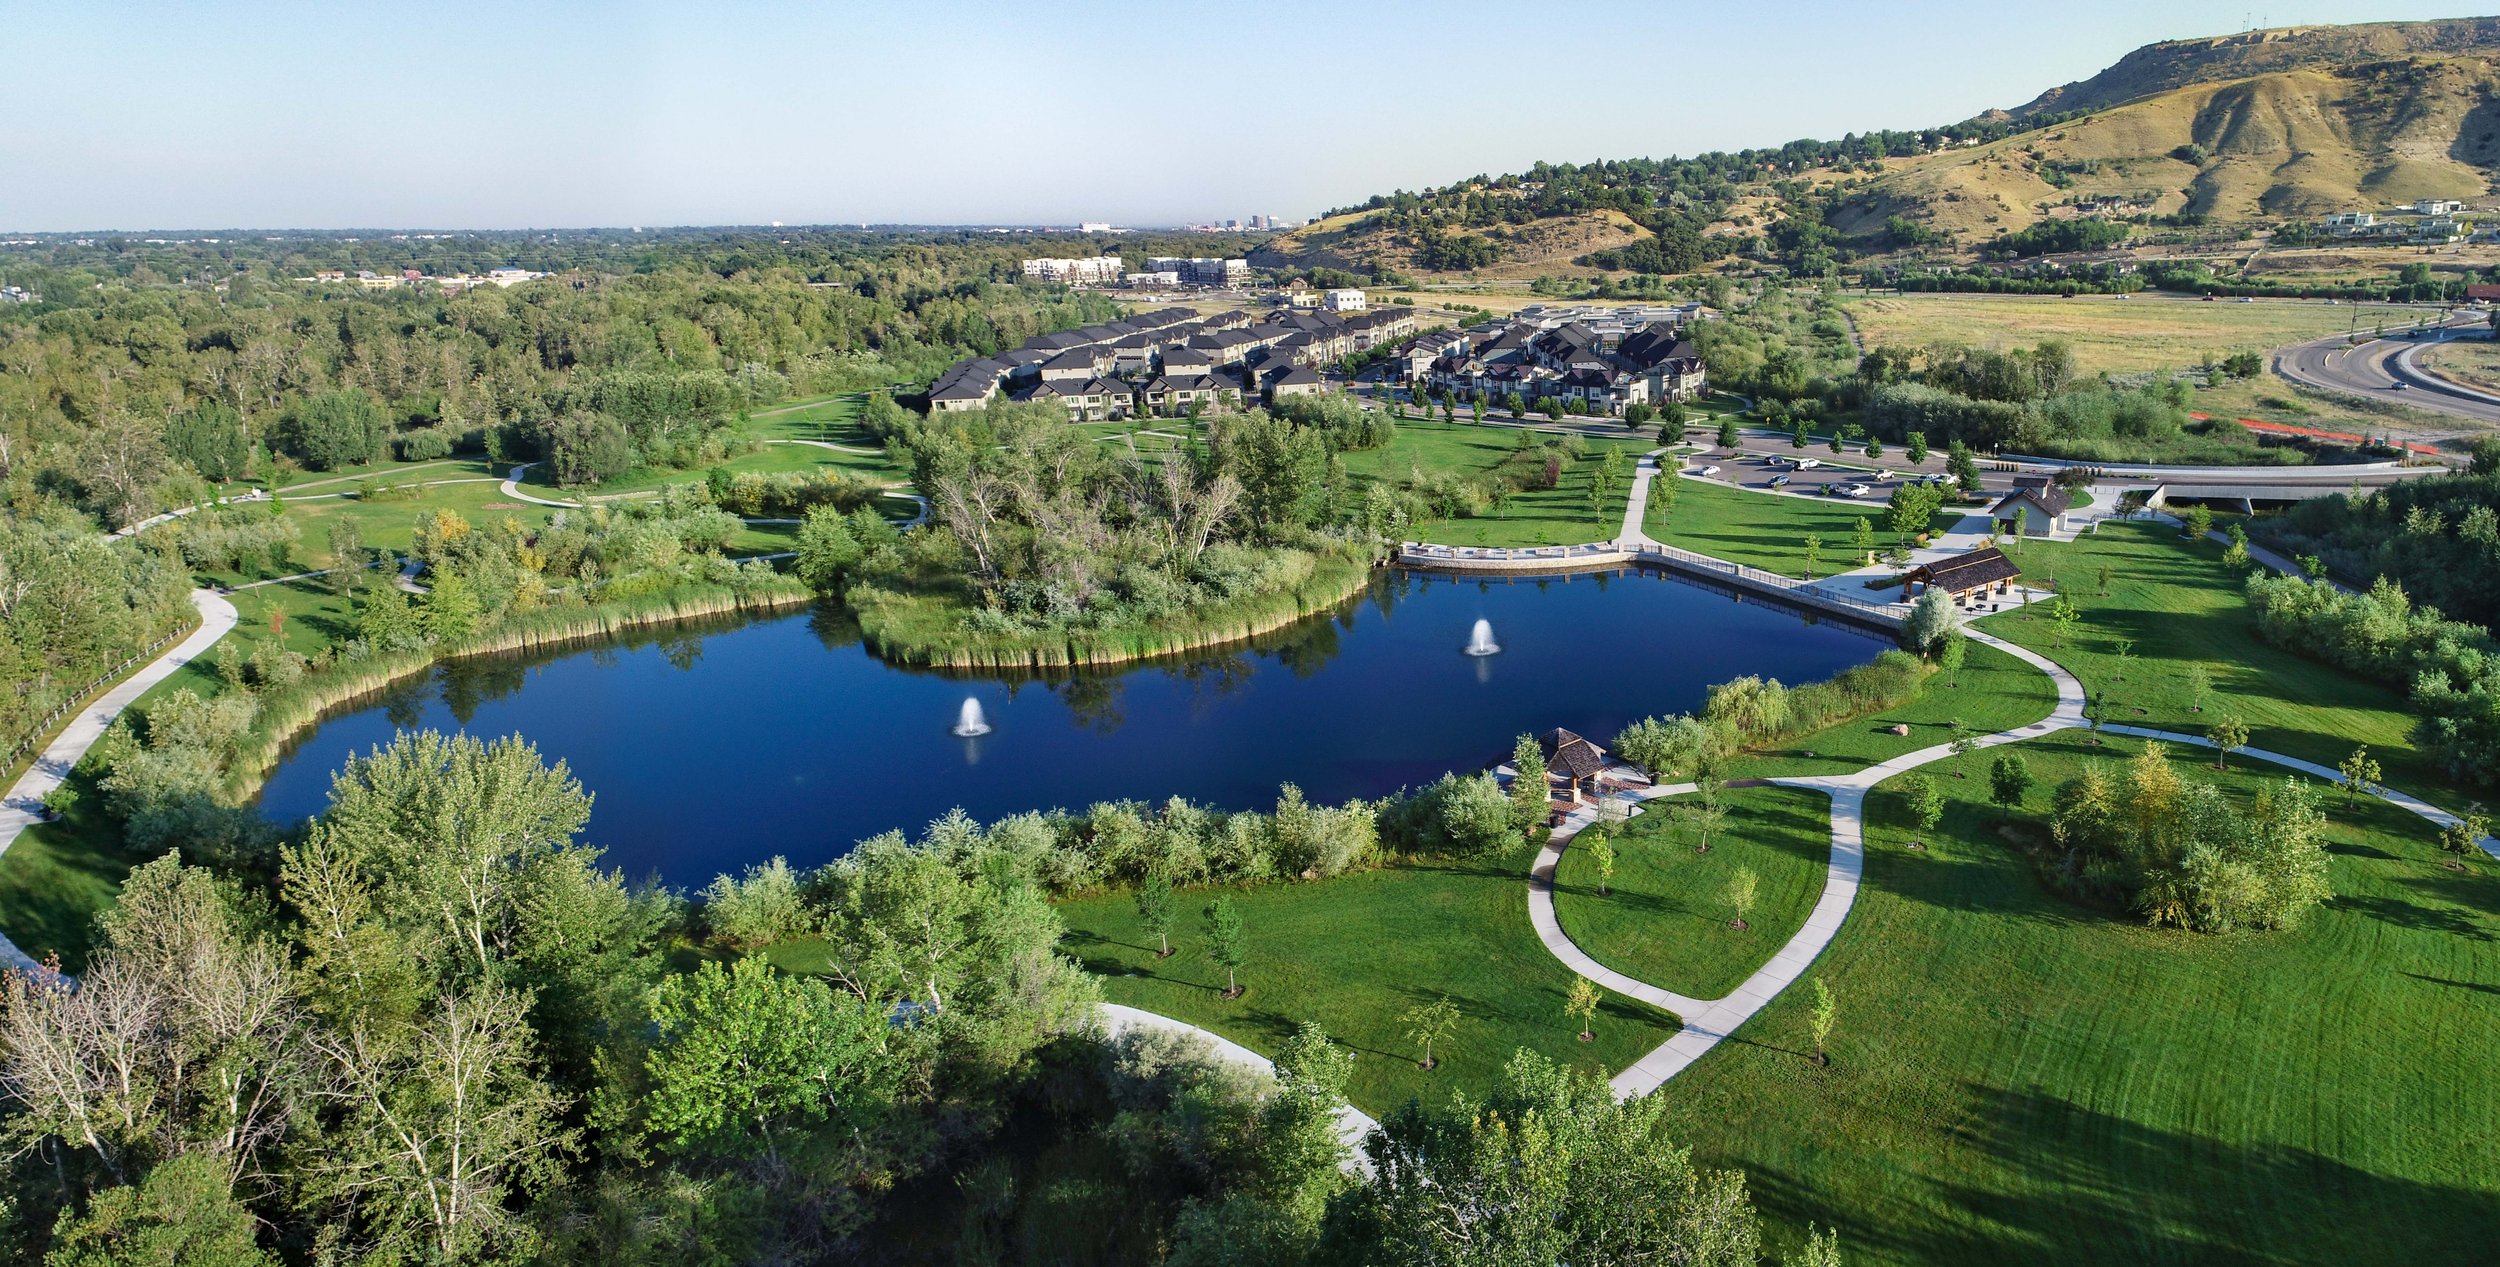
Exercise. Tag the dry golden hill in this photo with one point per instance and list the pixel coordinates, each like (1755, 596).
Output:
(2175, 64)
(2294, 143)
(1359, 242)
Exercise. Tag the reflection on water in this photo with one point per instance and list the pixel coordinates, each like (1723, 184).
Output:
(716, 745)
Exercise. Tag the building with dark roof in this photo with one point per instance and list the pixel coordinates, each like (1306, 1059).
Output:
(2037, 502)
(1964, 574)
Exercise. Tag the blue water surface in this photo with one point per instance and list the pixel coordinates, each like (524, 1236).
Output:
(710, 750)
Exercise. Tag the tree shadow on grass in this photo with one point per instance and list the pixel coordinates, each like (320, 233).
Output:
(2475, 986)
(2043, 1179)
(2415, 916)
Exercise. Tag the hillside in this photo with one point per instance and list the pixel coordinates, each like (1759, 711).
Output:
(2175, 64)
(2263, 126)
(2293, 143)
(1362, 243)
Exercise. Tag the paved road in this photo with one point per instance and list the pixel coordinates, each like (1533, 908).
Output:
(2373, 369)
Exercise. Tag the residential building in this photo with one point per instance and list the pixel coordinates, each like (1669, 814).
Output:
(510, 277)
(2037, 501)
(1576, 359)
(2437, 206)
(1346, 300)
(1099, 270)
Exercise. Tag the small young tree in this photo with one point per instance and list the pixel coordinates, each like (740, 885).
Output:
(2464, 838)
(2103, 578)
(1602, 852)
(1838, 444)
(2199, 685)
(1949, 656)
(1874, 447)
(1154, 911)
(1581, 1005)
(1916, 447)
(2229, 735)
(1923, 800)
(2199, 521)
(1429, 1023)
(1224, 943)
(1729, 436)
(1739, 893)
(1862, 538)
(1708, 810)
(2009, 780)
(1814, 554)
(1797, 438)
(2361, 775)
(1819, 1021)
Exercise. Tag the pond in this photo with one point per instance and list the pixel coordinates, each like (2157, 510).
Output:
(712, 749)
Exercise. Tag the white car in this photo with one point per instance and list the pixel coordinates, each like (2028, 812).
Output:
(1708, 472)
(1808, 464)
(1853, 489)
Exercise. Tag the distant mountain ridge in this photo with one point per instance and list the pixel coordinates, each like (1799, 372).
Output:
(2271, 125)
(2175, 64)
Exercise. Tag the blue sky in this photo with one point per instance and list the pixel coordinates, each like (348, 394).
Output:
(548, 113)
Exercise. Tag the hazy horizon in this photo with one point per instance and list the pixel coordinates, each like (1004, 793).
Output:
(277, 117)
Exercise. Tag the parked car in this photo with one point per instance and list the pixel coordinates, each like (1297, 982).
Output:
(1853, 489)
(1779, 481)
(1883, 474)
(1709, 472)
(1808, 464)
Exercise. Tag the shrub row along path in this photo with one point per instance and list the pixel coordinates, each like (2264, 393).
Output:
(1708, 1021)
(24, 806)
(1353, 1124)
(899, 490)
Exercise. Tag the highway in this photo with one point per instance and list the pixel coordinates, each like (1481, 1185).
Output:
(2374, 368)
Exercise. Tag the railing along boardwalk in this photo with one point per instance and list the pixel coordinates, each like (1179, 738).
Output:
(1525, 560)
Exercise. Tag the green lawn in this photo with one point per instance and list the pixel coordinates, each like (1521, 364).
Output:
(1557, 516)
(1995, 692)
(1353, 953)
(1764, 530)
(2018, 1078)
(1664, 920)
(2178, 606)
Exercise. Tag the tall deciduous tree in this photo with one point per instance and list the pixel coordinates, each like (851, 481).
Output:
(745, 1054)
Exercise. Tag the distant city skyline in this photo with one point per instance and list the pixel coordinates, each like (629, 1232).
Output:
(270, 115)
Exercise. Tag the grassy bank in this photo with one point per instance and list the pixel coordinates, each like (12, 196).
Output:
(931, 626)
(1561, 515)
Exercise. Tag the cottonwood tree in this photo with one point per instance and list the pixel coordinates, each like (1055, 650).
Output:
(746, 1054)
(1531, 796)
(186, 1037)
(439, 1124)
(1547, 1168)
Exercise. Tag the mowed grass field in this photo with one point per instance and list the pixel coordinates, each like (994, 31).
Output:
(2171, 605)
(1767, 530)
(2020, 1078)
(1561, 515)
(1354, 953)
(1665, 918)
(2112, 335)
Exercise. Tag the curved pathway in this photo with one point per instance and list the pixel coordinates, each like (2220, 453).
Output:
(24, 806)
(1353, 1124)
(1708, 1021)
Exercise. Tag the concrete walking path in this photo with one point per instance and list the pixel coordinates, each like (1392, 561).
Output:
(1708, 1022)
(23, 807)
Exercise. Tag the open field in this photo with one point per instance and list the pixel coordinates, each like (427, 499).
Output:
(1766, 530)
(2176, 606)
(2112, 335)
(1353, 953)
(2017, 1078)
(1560, 515)
(1665, 922)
